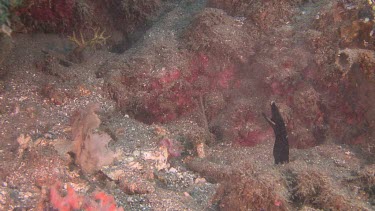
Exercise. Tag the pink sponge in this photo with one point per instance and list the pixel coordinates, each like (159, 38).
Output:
(69, 202)
(73, 201)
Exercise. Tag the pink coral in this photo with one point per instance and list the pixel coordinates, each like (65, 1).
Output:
(170, 77)
(224, 78)
(174, 92)
(253, 138)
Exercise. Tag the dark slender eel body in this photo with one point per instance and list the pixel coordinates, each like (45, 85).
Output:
(281, 147)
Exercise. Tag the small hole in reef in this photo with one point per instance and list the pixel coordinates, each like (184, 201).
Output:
(343, 60)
